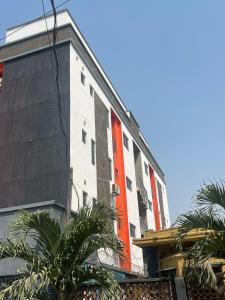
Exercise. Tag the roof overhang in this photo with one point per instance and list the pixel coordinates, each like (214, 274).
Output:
(168, 237)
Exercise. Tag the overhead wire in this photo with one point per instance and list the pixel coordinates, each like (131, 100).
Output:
(54, 37)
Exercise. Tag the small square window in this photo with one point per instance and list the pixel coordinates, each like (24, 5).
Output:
(85, 198)
(125, 141)
(146, 169)
(129, 184)
(116, 173)
(110, 169)
(132, 230)
(84, 136)
(91, 91)
(93, 152)
(82, 78)
(94, 201)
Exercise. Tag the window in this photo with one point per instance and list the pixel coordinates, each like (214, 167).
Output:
(94, 201)
(125, 141)
(85, 198)
(91, 91)
(84, 136)
(82, 78)
(146, 169)
(132, 230)
(110, 169)
(129, 184)
(116, 173)
(93, 152)
(150, 205)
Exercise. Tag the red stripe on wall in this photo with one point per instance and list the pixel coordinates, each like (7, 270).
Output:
(154, 199)
(1, 69)
(121, 200)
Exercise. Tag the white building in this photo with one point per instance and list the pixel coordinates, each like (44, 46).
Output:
(108, 157)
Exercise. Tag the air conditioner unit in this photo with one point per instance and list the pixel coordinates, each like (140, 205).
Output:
(115, 189)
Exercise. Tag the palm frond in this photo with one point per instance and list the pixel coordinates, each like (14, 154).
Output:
(58, 259)
(19, 249)
(95, 242)
(45, 230)
(197, 263)
(89, 230)
(200, 219)
(207, 217)
(101, 277)
(212, 194)
(26, 287)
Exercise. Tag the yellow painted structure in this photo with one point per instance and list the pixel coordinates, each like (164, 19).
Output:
(165, 241)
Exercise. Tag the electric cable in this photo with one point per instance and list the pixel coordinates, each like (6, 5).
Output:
(54, 36)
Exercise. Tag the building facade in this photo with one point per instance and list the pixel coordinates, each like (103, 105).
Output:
(165, 260)
(73, 143)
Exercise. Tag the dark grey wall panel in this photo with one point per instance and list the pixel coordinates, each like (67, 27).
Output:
(102, 155)
(67, 33)
(137, 164)
(163, 221)
(33, 165)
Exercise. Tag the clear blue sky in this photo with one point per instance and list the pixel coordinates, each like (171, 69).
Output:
(167, 61)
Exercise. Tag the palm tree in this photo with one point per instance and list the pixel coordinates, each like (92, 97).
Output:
(209, 216)
(55, 258)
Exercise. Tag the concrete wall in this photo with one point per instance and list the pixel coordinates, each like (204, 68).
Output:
(90, 113)
(165, 201)
(147, 184)
(102, 155)
(33, 166)
(132, 203)
(8, 216)
(82, 117)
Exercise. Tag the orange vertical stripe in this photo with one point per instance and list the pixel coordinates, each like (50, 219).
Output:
(121, 200)
(154, 199)
(1, 69)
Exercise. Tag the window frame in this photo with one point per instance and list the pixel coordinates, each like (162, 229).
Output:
(150, 205)
(91, 90)
(84, 199)
(146, 168)
(125, 141)
(94, 201)
(82, 78)
(110, 168)
(132, 228)
(129, 184)
(84, 136)
(93, 152)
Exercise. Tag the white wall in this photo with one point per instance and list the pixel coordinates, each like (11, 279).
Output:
(147, 184)
(165, 200)
(82, 109)
(36, 27)
(82, 116)
(132, 203)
